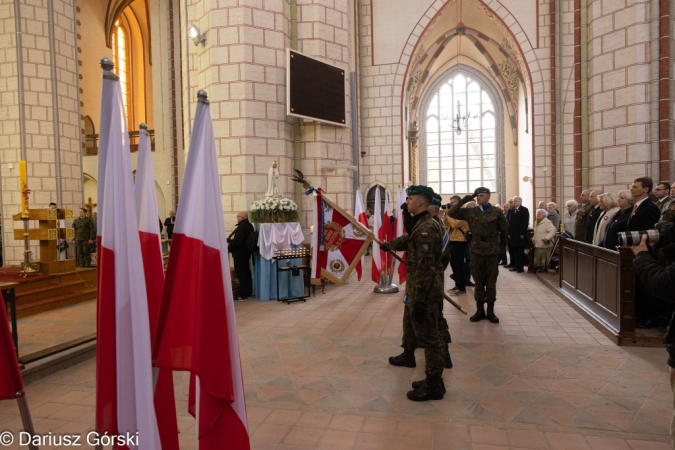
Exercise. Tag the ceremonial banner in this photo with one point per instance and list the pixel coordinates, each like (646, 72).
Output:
(384, 232)
(378, 255)
(196, 331)
(338, 242)
(400, 230)
(153, 266)
(11, 386)
(360, 215)
(124, 399)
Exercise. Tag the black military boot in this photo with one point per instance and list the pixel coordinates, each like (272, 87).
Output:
(417, 384)
(491, 313)
(405, 359)
(480, 313)
(431, 389)
(447, 358)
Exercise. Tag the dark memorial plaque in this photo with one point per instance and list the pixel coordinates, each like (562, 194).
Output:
(316, 90)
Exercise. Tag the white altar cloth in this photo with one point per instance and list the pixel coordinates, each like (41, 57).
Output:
(278, 236)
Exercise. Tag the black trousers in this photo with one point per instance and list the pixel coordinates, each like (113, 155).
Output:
(457, 251)
(646, 306)
(518, 256)
(242, 269)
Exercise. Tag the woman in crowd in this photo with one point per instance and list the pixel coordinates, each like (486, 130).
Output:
(609, 207)
(618, 223)
(544, 232)
(570, 216)
(553, 215)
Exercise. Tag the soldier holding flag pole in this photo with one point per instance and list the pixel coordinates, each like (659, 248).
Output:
(423, 294)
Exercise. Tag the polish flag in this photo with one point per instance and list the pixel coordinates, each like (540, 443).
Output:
(124, 399)
(110, 94)
(385, 232)
(377, 225)
(196, 331)
(402, 271)
(11, 386)
(360, 215)
(153, 265)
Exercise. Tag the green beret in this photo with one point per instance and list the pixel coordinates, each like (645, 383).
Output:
(482, 190)
(437, 200)
(420, 190)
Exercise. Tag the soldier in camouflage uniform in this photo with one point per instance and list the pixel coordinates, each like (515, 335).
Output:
(443, 327)
(489, 231)
(408, 333)
(85, 234)
(423, 292)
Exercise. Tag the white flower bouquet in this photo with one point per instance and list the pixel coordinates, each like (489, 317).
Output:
(273, 210)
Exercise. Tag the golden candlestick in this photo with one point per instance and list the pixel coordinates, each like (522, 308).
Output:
(26, 266)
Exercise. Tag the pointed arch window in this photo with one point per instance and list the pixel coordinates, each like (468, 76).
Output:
(458, 163)
(122, 58)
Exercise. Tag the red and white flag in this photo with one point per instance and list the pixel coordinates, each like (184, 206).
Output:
(153, 266)
(124, 391)
(196, 331)
(338, 242)
(377, 225)
(360, 215)
(11, 386)
(402, 272)
(384, 233)
(110, 94)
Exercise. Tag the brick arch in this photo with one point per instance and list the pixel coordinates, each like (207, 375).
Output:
(439, 7)
(430, 18)
(433, 53)
(520, 44)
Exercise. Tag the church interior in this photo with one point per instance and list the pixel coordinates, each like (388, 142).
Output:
(538, 99)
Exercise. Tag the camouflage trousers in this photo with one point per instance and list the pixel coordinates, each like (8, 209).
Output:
(485, 270)
(82, 254)
(424, 331)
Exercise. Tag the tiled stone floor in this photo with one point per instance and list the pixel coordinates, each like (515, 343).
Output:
(316, 376)
(50, 328)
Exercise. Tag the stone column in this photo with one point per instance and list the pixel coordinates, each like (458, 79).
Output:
(40, 111)
(242, 66)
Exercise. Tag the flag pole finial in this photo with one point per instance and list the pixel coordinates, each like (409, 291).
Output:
(202, 96)
(143, 127)
(108, 65)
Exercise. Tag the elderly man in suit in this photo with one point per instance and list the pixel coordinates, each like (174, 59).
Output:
(593, 215)
(582, 216)
(663, 199)
(644, 216)
(519, 220)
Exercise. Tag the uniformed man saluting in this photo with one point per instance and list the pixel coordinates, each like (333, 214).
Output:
(423, 292)
(85, 234)
(489, 231)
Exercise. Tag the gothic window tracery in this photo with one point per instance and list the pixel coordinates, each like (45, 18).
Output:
(459, 162)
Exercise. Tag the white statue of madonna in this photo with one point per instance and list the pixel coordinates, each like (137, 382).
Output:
(273, 185)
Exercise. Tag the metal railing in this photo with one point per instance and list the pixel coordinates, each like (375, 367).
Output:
(91, 142)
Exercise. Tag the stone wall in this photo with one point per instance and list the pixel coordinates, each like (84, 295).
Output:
(50, 109)
(243, 68)
(620, 85)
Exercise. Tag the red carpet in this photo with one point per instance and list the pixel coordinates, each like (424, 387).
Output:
(13, 275)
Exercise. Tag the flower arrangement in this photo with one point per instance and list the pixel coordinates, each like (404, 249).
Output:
(274, 210)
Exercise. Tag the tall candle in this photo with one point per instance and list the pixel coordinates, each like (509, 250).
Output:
(23, 188)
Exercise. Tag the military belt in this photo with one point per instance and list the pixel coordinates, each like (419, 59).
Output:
(489, 239)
